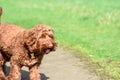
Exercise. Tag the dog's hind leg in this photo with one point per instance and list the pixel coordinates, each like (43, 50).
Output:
(15, 69)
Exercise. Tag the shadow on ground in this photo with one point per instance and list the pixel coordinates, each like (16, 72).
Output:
(25, 74)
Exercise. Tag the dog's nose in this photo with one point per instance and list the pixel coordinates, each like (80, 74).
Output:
(50, 45)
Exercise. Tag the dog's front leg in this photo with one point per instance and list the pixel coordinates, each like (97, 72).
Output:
(34, 74)
(15, 69)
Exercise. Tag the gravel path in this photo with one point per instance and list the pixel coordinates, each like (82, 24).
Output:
(61, 65)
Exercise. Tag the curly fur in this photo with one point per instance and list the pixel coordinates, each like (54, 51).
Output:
(17, 45)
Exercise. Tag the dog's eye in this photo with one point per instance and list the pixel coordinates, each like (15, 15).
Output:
(51, 36)
(42, 36)
(49, 29)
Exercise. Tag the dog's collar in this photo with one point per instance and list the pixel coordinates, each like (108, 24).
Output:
(32, 55)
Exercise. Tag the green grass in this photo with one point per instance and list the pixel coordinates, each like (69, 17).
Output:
(90, 27)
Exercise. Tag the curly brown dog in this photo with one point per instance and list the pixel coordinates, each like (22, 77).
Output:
(24, 48)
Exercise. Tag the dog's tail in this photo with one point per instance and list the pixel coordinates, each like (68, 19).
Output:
(1, 11)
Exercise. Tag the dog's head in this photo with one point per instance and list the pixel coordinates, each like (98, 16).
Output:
(41, 39)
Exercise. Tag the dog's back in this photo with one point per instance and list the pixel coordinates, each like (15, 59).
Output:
(7, 33)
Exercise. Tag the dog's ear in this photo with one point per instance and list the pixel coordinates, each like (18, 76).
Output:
(30, 40)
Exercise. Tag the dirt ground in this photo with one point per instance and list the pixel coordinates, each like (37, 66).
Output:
(61, 65)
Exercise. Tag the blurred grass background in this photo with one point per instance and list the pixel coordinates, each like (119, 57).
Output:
(91, 28)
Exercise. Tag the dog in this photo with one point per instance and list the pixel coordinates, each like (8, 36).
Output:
(24, 47)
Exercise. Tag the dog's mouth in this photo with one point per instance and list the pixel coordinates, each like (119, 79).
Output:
(48, 50)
